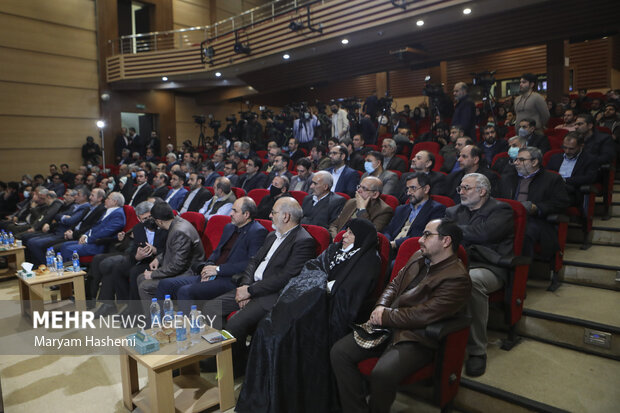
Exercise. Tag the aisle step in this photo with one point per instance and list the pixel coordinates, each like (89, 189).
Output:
(599, 266)
(574, 316)
(536, 376)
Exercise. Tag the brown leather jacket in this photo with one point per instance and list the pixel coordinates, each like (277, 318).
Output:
(436, 296)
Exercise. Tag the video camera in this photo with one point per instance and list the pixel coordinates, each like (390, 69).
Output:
(485, 79)
(199, 119)
(214, 124)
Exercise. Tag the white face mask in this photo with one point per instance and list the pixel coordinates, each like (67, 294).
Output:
(26, 194)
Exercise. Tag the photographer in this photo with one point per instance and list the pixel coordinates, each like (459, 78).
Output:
(303, 128)
(464, 110)
(340, 121)
(253, 131)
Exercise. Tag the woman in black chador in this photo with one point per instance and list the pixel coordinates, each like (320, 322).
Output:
(288, 368)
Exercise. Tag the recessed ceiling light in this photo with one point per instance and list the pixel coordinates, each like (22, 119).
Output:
(164, 78)
(218, 74)
(420, 23)
(286, 56)
(344, 41)
(467, 11)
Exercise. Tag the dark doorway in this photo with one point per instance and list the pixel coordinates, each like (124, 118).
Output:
(134, 18)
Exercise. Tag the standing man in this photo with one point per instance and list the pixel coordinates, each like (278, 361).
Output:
(303, 131)
(340, 121)
(529, 104)
(464, 110)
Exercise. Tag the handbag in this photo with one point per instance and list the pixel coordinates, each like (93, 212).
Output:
(368, 337)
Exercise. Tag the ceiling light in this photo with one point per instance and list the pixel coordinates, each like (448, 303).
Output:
(218, 74)
(164, 78)
(420, 23)
(344, 41)
(286, 56)
(467, 11)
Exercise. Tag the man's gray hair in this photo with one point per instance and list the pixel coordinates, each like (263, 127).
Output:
(522, 139)
(83, 189)
(326, 178)
(245, 145)
(118, 198)
(481, 182)
(41, 190)
(143, 207)
(291, 206)
(535, 153)
(390, 142)
(52, 194)
(376, 183)
(71, 192)
(248, 205)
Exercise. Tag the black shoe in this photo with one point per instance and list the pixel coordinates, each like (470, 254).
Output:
(104, 310)
(476, 365)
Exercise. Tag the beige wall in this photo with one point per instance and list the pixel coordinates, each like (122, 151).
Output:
(229, 8)
(48, 83)
(190, 13)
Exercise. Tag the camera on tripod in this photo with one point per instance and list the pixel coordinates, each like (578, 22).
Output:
(199, 119)
(214, 124)
(485, 79)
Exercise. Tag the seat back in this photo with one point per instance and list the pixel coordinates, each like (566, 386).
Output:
(299, 196)
(391, 200)
(239, 193)
(425, 146)
(215, 227)
(258, 194)
(131, 218)
(265, 223)
(320, 235)
(342, 194)
(547, 156)
(445, 200)
(499, 156)
(196, 219)
(409, 247)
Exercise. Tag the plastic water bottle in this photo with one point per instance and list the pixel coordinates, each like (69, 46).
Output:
(5, 238)
(49, 259)
(11, 239)
(194, 328)
(202, 326)
(59, 264)
(168, 310)
(76, 261)
(155, 316)
(181, 333)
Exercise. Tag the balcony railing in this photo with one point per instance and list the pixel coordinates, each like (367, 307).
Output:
(193, 36)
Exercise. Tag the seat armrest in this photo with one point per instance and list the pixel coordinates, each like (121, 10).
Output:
(511, 261)
(439, 330)
(558, 218)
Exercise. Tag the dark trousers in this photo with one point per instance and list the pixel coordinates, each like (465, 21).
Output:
(95, 274)
(396, 362)
(111, 267)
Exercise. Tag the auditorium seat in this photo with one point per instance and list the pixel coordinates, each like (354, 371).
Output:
(258, 194)
(196, 219)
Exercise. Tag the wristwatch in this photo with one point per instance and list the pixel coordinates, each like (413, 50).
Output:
(217, 270)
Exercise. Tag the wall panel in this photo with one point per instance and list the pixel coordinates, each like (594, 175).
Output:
(190, 13)
(38, 68)
(591, 62)
(16, 162)
(22, 33)
(42, 133)
(74, 13)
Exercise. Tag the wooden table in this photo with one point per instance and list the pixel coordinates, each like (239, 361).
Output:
(187, 392)
(15, 254)
(31, 290)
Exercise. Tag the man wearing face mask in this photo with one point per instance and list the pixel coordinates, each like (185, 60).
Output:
(374, 167)
(279, 189)
(303, 129)
(542, 193)
(527, 130)
(324, 206)
(506, 165)
(491, 145)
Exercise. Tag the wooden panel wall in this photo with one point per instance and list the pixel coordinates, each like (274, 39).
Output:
(190, 13)
(405, 82)
(591, 62)
(229, 8)
(48, 83)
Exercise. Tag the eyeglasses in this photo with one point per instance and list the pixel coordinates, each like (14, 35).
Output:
(413, 188)
(464, 188)
(427, 234)
(522, 159)
(335, 153)
(363, 188)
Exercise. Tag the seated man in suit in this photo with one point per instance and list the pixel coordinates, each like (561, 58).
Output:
(432, 286)
(488, 230)
(575, 166)
(323, 207)
(279, 168)
(345, 179)
(367, 204)
(527, 129)
(230, 172)
(390, 160)
(357, 151)
(491, 145)
(253, 178)
(374, 167)
(160, 182)
(294, 152)
(240, 241)
(424, 162)
(142, 191)
(176, 195)
(22, 219)
(183, 248)
(50, 208)
(279, 188)
(281, 258)
(470, 161)
(112, 221)
(197, 196)
(542, 193)
(303, 179)
(410, 219)
(598, 144)
(222, 200)
(207, 169)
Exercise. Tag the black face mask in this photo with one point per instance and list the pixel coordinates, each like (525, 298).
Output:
(274, 191)
(150, 224)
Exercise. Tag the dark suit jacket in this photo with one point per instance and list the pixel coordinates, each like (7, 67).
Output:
(272, 175)
(324, 212)
(139, 236)
(430, 211)
(141, 196)
(491, 226)
(199, 200)
(255, 182)
(357, 158)
(349, 178)
(397, 164)
(286, 263)
(465, 116)
(546, 190)
(251, 238)
(377, 212)
(601, 147)
(88, 221)
(48, 215)
(489, 153)
(210, 179)
(160, 192)
(234, 179)
(539, 141)
(584, 172)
